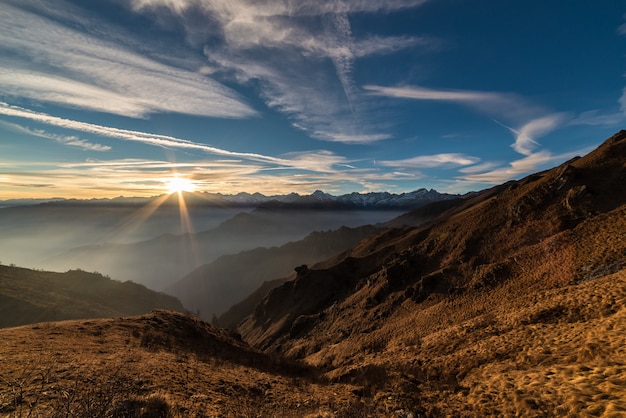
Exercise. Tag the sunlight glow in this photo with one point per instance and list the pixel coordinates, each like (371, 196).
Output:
(179, 184)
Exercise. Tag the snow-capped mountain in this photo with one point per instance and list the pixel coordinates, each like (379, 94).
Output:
(316, 200)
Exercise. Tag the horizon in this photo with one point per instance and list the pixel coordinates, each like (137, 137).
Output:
(199, 193)
(141, 98)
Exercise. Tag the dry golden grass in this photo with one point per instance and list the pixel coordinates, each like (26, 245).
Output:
(127, 367)
(557, 352)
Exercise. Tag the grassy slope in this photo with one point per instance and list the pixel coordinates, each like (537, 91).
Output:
(29, 296)
(162, 364)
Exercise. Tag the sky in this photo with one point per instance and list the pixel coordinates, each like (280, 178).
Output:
(106, 98)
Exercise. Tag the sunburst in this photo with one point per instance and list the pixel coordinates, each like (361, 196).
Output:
(179, 185)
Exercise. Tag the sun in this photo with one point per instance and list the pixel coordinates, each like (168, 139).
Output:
(179, 184)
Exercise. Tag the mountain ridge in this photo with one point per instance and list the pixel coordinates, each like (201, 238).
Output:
(354, 200)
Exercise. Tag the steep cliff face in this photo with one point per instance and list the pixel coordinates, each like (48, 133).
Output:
(552, 229)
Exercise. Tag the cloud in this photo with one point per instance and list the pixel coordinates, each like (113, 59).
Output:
(145, 177)
(597, 118)
(421, 93)
(432, 161)
(128, 135)
(315, 161)
(48, 59)
(505, 105)
(526, 144)
(286, 48)
(217, 171)
(479, 168)
(72, 141)
(519, 168)
(525, 141)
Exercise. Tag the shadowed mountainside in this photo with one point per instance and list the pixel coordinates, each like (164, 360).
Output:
(239, 311)
(29, 296)
(215, 287)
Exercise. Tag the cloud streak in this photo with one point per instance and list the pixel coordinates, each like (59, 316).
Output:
(526, 143)
(507, 105)
(53, 62)
(277, 45)
(433, 161)
(315, 161)
(72, 140)
(536, 123)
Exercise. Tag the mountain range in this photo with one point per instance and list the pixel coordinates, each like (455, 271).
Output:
(371, 200)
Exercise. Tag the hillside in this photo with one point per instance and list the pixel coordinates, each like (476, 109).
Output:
(30, 296)
(515, 288)
(213, 288)
(163, 364)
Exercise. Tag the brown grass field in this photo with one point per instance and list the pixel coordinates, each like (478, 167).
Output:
(159, 365)
(559, 352)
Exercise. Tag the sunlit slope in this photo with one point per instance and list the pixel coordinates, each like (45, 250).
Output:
(29, 296)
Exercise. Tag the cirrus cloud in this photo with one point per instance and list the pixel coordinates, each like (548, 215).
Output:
(53, 61)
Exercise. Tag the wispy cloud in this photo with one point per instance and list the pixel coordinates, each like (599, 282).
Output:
(526, 143)
(535, 123)
(53, 61)
(521, 167)
(432, 161)
(284, 48)
(144, 177)
(525, 139)
(507, 105)
(315, 161)
(71, 140)
(128, 135)
(597, 118)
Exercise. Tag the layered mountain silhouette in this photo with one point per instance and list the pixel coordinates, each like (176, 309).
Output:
(372, 200)
(28, 296)
(161, 261)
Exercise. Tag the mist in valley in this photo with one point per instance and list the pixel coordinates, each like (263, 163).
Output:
(34, 236)
(157, 247)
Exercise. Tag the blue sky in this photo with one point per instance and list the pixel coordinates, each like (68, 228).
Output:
(103, 98)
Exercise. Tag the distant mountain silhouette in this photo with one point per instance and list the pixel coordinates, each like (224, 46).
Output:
(28, 296)
(372, 200)
(161, 261)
